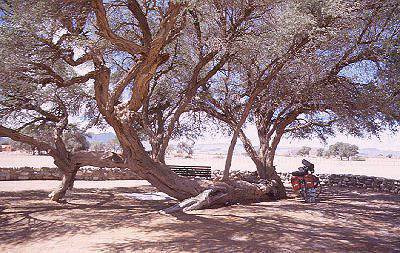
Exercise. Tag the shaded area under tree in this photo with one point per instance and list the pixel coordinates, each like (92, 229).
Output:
(104, 220)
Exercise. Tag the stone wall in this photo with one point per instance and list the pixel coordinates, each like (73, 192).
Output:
(378, 184)
(85, 173)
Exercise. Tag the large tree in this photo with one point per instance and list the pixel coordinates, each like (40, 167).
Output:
(43, 98)
(134, 50)
(150, 49)
(200, 50)
(316, 94)
(151, 54)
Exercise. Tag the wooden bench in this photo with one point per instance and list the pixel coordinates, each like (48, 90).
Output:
(192, 171)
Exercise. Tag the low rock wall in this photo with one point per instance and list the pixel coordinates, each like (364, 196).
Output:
(378, 184)
(85, 173)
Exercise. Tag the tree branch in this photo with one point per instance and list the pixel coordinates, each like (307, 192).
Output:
(16, 136)
(137, 12)
(105, 30)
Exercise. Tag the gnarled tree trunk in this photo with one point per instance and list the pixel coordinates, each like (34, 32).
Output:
(67, 182)
(270, 171)
(158, 151)
(227, 193)
(266, 170)
(264, 161)
(193, 192)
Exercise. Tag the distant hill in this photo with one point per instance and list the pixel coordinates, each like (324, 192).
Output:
(4, 140)
(214, 148)
(374, 152)
(223, 148)
(103, 137)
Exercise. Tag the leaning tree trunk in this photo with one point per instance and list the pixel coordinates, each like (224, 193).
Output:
(67, 182)
(194, 193)
(158, 150)
(236, 133)
(161, 155)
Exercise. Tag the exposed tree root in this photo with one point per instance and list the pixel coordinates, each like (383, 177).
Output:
(227, 193)
(204, 200)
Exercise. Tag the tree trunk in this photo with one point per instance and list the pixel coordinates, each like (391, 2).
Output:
(158, 151)
(181, 188)
(229, 155)
(261, 169)
(273, 175)
(227, 193)
(161, 156)
(255, 157)
(236, 132)
(67, 183)
(158, 174)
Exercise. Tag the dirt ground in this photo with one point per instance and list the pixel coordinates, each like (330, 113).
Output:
(99, 217)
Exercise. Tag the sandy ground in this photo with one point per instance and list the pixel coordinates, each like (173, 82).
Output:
(379, 167)
(104, 219)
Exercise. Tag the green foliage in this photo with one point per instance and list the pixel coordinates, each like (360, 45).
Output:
(343, 150)
(320, 152)
(76, 140)
(98, 146)
(21, 147)
(304, 92)
(185, 148)
(304, 151)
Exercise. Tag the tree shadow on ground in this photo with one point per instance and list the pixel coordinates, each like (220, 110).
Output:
(344, 221)
(29, 214)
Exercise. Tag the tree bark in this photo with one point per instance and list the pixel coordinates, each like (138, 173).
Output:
(161, 156)
(181, 188)
(158, 174)
(255, 157)
(59, 153)
(236, 132)
(68, 178)
(158, 151)
(227, 193)
(271, 173)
